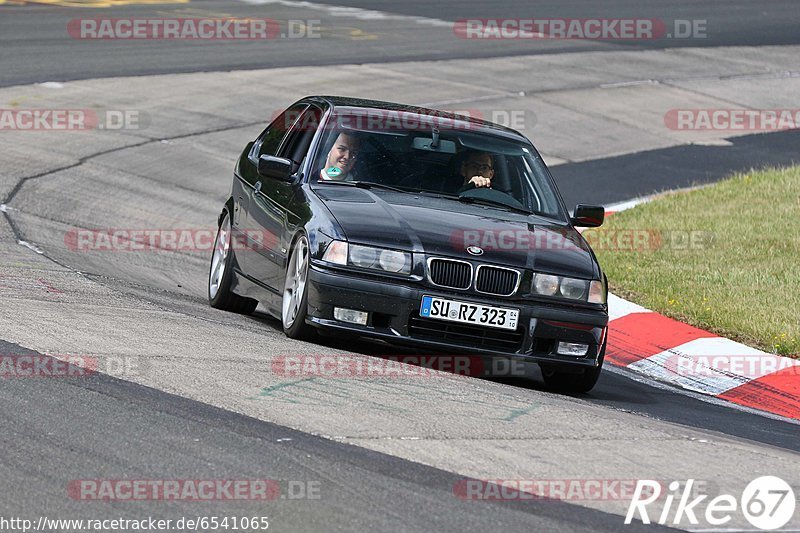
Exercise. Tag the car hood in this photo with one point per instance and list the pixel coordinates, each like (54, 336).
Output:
(444, 227)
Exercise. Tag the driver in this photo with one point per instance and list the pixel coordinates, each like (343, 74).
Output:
(341, 158)
(477, 169)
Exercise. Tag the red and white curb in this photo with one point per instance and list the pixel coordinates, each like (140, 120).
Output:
(670, 351)
(673, 352)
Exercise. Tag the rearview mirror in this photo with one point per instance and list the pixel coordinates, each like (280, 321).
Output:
(434, 145)
(588, 216)
(278, 168)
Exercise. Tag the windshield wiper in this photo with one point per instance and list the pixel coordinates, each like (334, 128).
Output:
(371, 184)
(473, 200)
(362, 185)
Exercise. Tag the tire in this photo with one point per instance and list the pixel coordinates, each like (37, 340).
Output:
(571, 382)
(220, 275)
(294, 306)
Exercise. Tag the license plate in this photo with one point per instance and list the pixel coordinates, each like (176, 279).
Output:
(468, 313)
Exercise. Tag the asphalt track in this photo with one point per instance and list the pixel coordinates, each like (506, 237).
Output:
(643, 173)
(162, 427)
(35, 46)
(78, 424)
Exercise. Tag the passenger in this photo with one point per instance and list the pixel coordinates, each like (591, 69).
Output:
(341, 158)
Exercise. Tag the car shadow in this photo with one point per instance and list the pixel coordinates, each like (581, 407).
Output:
(611, 389)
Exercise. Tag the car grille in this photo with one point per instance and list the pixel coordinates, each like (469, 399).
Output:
(465, 334)
(494, 280)
(451, 274)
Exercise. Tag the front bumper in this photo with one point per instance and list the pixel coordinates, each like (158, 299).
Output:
(393, 308)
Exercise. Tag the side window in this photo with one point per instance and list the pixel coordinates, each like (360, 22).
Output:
(270, 140)
(297, 143)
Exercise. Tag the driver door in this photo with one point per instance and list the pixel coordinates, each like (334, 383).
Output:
(250, 236)
(270, 203)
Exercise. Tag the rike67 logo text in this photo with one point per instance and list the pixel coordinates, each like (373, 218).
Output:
(767, 503)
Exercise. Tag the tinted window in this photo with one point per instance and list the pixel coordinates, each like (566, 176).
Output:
(296, 145)
(270, 140)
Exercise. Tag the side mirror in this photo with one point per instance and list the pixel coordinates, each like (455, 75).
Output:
(278, 168)
(588, 216)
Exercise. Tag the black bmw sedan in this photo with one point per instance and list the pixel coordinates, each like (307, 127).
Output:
(414, 226)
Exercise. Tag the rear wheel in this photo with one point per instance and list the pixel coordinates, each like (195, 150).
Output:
(220, 275)
(295, 292)
(575, 380)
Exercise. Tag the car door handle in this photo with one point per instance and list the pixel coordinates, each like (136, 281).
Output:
(257, 187)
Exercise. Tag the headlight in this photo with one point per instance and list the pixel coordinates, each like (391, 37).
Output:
(393, 261)
(572, 288)
(381, 259)
(363, 256)
(546, 284)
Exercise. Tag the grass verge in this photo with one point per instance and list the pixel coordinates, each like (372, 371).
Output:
(725, 257)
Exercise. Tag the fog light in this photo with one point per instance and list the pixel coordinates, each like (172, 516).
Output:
(350, 315)
(573, 349)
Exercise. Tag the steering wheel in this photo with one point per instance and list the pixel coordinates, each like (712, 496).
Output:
(493, 195)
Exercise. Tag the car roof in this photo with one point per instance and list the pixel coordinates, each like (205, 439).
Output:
(346, 103)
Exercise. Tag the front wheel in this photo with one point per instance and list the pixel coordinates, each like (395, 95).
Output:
(295, 293)
(220, 275)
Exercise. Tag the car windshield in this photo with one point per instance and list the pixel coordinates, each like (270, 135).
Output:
(450, 159)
